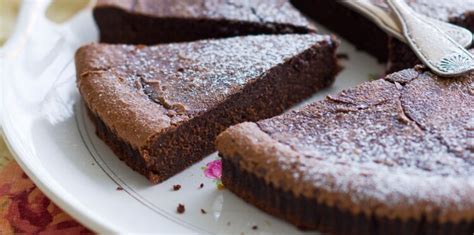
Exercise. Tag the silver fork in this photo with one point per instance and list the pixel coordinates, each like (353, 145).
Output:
(436, 49)
(384, 18)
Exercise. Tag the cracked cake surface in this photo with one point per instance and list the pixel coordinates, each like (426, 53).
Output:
(147, 95)
(401, 148)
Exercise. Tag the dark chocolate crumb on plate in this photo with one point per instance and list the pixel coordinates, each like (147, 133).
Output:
(180, 208)
(119, 188)
(342, 56)
(201, 185)
(255, 227)
(176, 187)
(203, 211)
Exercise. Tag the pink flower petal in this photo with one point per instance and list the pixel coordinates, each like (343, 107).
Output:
(213, 169)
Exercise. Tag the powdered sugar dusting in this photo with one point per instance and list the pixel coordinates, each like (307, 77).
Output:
(383, 143)
(270, 12)
(195, 76)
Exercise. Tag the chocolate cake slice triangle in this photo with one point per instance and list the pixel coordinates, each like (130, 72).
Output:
(160, 107)
(164, 21)
(392, 156)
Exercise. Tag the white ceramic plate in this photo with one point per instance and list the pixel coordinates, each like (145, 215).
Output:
(46, 128)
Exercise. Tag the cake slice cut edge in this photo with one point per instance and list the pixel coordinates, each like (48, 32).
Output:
(159, 108)
(165, 21)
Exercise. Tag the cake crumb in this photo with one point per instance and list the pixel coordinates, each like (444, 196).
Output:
(119, 188)
(228, 223)
(180, 208)
(201, 185)
(343, 56)
(255, 227)
(176, 187)
(203, 211)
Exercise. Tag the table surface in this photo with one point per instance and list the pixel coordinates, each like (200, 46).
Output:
(23, 207)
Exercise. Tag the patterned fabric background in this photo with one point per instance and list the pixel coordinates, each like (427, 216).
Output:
(23, 208)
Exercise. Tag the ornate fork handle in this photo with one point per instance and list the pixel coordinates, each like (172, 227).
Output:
(384, 18)
(437, 50)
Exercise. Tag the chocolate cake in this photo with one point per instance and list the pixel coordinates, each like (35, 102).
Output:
(160, 107)
(367, 36)
(392, 156)
(164, 21)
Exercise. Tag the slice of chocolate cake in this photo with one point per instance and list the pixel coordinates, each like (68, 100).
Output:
(392, 156)
(163, 21)
(367, 36)
(160, 108)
